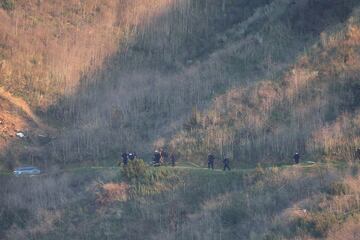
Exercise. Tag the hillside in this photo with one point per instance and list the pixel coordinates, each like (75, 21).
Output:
(111, 112)
(254, 81)
(313, 201)
(181, 54)
(312, 107)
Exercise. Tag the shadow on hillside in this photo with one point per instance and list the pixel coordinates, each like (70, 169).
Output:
(135, 101)
(270, 121)
(147, 90)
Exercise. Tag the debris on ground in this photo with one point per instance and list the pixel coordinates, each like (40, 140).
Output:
(20, 134)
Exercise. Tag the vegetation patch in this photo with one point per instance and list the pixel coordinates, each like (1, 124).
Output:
(317, 224)
(9, 218)
(143, 179)
(338, 188)
(112, 192)
(7, 4)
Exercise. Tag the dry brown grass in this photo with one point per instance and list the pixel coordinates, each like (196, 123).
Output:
(350, 230)
(46, 47)
(311, 108)
(339, 139)
(10, 123)
(113, 192)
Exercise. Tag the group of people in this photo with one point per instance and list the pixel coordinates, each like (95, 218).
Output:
(161, 157)
(126, 156)
(211, 161)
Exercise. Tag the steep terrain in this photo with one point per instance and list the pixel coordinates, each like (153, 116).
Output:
(20, 128)
(47, 47)
(22, 105)
(313, 107)
(171, 58)
(112, 113)
(10, 122)
(44, 47)
(252, 80)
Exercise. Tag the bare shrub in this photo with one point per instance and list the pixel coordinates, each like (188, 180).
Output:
(113, 192)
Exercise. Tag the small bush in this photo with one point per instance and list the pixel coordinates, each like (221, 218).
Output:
(157, 175)
(7, 4)
(135, 170)
(113, 192)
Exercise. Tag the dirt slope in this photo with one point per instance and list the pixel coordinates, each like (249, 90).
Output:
(23, 106)
(16, 117)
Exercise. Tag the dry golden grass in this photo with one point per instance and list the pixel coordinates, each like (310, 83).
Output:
(353, 35)
(298, 79)
(46, 47)
(113, 192)
(350, 230)
(339, 139)
(311, 108)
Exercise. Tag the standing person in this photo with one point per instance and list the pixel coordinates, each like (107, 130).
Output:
(163, 156)
(211, 160)
(157, 158)
(173, 159)
(226, 162)
(357, 154)
(296, 158)
(125, 158)
(132, 155)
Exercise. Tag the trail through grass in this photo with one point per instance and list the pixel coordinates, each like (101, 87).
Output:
(197, 168)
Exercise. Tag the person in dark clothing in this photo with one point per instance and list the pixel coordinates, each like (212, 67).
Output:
(211, 160)
(357, 154)
(173, 160)
(296, 158)
(132, 155)
(163, 156)
(226, 162)
(125, 158)
(157, 158)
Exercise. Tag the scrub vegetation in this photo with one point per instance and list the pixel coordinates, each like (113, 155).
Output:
(255, 81)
